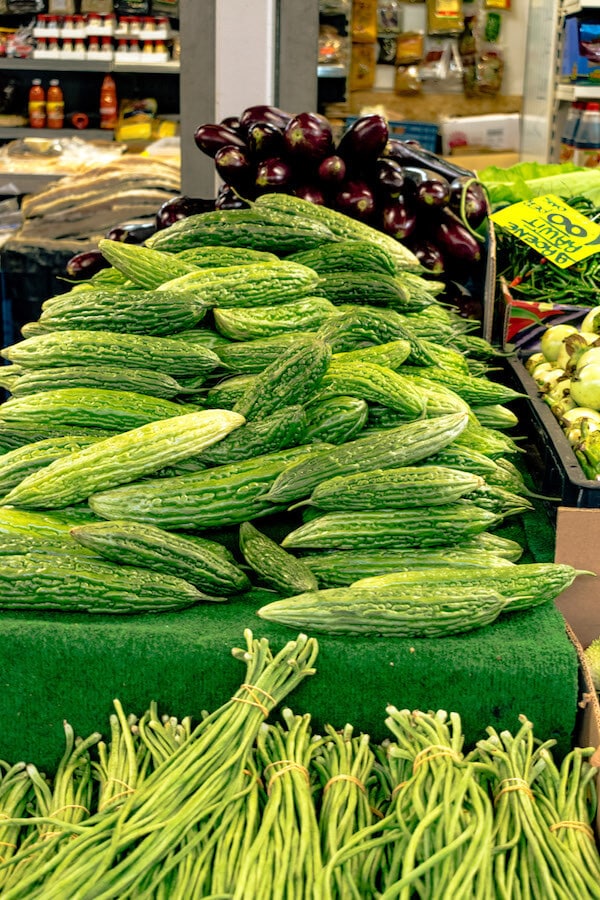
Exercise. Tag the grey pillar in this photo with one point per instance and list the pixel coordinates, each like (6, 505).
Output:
(295, 74)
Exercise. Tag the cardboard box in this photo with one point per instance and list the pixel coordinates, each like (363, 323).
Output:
(480, 134)
(588, 724)
(581, 50)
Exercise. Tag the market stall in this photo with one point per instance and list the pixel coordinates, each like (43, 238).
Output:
(275, 416)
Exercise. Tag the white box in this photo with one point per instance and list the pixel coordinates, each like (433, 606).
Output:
(476, 134)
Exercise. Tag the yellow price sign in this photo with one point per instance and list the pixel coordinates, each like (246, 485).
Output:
(552, 227)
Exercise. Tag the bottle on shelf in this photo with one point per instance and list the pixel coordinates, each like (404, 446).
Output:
(55, 105)
(567, 140)
(37, 104)
(587, 139)
(108, 103)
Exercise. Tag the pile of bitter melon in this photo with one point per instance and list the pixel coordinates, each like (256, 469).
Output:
(246, 365)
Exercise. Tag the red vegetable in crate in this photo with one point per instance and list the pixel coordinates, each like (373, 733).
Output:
(273, 175)
(356, 199)
(263, 113)
(468, 199)
(308, 137)
(235, 167)
(332, 170)
(85, 264)
(426, 187)
(180, 208)
(455, 241)
(364, 139)
(211, 137)
(398, 218)
(265, 141)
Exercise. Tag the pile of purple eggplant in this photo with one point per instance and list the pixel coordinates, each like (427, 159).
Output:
(431, 205)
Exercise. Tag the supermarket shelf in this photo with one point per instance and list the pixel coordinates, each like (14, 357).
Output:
(572, 92)
(88, 65)
(571, 7)
(86, 134)
(331, 72)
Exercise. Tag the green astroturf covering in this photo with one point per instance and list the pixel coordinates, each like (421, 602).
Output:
(71, 666)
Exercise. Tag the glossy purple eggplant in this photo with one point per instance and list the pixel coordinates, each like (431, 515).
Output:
(211, 137)
(235, 167)
(273, 175)
(410, 153)
(468, 199)
(308, 137)
(389, 177)
(180, 208)
(429, 254)
(356, 199)
(227, 198)
(398, 219)
(364, 139)
(232, 122)
(131, 232)
(426, 187)
(265, 141)
(332, 170)
(263, 113)
(85, 264)
(310, 192)
(456, 243)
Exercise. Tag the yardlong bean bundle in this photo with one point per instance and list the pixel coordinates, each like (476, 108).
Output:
(444, 818)
(115, 849)
(284, 859)
(529, 858)
(16, 789)
(344, 767)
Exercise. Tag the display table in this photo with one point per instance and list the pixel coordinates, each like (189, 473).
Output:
(71, 666)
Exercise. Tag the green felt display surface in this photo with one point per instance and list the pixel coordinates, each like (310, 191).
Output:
(59, 666)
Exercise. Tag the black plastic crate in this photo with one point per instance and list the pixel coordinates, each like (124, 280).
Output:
(553, 463)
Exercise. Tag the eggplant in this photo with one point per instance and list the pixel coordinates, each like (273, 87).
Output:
(228, 199)
(456, 243)
(355, 198)
(180, 208)
(364, 140)
(389, 177)
(310, 192)
(410, 153)
(85, 264)
(265, 141)
(398, 218)
(308, 137)
(234, 123)
(332, 170)
(131, 232)
(273, 175)
(263, 113)
(235, 167)
(460, 297)
(468, 199)
(211, 137)
(426, 186)
(429, 254)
